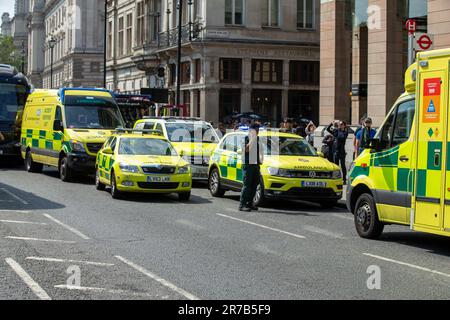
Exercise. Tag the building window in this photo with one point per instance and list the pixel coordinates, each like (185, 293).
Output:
(121, 37)
(304, 72)
(234, 12)
(229, 103)
(271, 11)
(185, 72)
(267, 71)
(305, 14)
(172, 74)
(110, 39)
(154, 8)
(140, 23)
(129, 32)
(198, 70)
(231, 70)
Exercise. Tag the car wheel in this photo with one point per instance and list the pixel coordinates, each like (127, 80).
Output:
(98, 185)
(215, 187)
(366, 218)
(115, 193)
(259, 199)
(65, 173)
(184, 196)
(32, 166)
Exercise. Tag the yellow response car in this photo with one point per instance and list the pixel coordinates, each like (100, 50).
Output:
(195, 138)
(142, 162)
(292, 169)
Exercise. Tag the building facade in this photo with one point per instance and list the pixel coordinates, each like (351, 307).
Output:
(363, 54)
(237, 55)
(66, 43)
(6, 25)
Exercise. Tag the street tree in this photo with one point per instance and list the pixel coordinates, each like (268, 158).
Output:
(8, 53)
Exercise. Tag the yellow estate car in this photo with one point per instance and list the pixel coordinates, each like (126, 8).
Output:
(292, 169)
(142, 161)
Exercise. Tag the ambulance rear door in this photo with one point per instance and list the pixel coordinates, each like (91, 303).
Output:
(432, 140)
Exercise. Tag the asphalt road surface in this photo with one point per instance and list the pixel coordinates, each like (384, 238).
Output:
(69, 241)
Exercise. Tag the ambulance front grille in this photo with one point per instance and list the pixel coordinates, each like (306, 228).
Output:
(311, 174)
(94, 147)
(159, 169)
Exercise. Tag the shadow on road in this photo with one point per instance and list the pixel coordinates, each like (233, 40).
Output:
(432, 243)
(160, 198)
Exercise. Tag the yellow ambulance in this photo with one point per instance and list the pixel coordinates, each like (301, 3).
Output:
(403, 177)
(66, 128)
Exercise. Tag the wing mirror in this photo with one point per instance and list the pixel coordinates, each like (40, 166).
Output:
(108, 151)
(58, 126)
(182, 153)
(320, 154)
(373, 144)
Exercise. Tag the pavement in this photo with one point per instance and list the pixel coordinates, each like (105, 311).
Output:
(68, 241)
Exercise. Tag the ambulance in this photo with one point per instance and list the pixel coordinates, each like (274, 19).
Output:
(403, 177)
(66, 128)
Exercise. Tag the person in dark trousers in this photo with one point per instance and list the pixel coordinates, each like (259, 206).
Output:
(340, 138)
(252, 158)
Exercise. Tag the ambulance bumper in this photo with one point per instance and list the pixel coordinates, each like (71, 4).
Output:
(81, 162)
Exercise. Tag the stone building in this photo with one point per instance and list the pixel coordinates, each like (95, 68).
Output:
(6, 25)
(237, 55)
(364, 52)
(77, 30)
(19, 30)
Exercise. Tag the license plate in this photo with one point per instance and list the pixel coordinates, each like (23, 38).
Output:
(314, 184)
(158, 179)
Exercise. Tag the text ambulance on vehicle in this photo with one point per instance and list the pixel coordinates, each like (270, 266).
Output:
(66, 128)
(292, 169)
(193, 138)
(403, 177)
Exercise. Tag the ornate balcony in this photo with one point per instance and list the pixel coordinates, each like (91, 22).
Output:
(189, 32)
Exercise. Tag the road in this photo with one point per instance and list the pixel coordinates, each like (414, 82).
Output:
(69, 241)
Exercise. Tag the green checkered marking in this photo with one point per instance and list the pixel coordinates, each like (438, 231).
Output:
(421, 183)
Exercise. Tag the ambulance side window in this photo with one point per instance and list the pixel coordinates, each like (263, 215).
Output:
(149, 126)
(113, 144)
(403, 122)
(386, 131)
(230, 143)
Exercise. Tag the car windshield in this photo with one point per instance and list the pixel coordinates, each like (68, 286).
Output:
(12, 100)
(283, 146)
(145, 147)
(92, 113)
(191, 132)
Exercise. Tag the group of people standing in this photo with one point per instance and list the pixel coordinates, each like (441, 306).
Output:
(334, 143)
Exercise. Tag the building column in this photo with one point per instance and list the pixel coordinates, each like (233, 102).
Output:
(210, 98)
(438, 22)
(284, 104)
(335, 60)
(246, 99)
(385, 60)
(359, 73)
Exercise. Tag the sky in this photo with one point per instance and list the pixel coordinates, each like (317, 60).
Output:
(7, 6)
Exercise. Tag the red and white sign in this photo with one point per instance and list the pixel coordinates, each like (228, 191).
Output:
(424, 42)
(411, 26)
(431, 100)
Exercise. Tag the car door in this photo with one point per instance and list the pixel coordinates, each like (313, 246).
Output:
(106, 161)
(393, 165)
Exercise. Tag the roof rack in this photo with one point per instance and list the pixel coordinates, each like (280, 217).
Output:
(143, 131)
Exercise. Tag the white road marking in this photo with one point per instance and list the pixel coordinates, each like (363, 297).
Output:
(23, 222)
(104, 290)
(342, 216)
(14, 211)
(71, 229)
(101, 264)
(33, 285)
(36, 239)
(408, 265)
(14, 196)
(264, 227)
(323, 232)
(162, 281)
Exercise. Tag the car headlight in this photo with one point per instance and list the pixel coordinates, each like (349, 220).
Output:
(273, 171)
(77, 146)
(279, 172)
(337, 174)
(183, 170)
(128, 168)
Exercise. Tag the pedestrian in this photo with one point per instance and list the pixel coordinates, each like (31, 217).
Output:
(364, 136)
(221, 131)
(355, 147)
(340, 138)
(327, 147)
(253, 158)
(310, 133)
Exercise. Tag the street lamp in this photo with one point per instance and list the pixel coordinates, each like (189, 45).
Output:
(180, 17)
(51, 45)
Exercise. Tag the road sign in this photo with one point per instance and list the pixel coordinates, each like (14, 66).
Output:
(423, 42)
(411, 26)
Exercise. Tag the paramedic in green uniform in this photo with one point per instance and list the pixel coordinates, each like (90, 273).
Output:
(253, 157)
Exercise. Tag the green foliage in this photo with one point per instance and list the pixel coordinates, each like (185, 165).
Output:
(8, 53)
